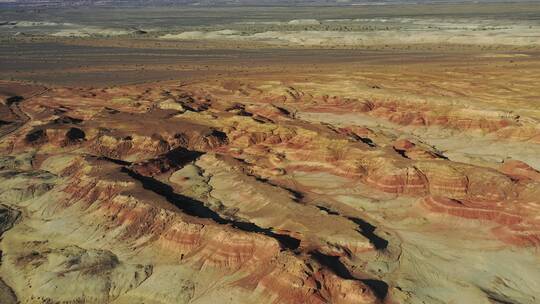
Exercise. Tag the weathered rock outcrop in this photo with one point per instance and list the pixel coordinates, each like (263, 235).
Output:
(261, 192)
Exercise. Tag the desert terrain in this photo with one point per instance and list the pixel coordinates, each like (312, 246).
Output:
(344, 154)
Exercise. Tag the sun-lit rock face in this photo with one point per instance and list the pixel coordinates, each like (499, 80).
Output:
(99, 200)
(244, 191)
(520, 170)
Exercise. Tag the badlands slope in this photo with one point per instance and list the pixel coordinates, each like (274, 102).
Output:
(352, 186)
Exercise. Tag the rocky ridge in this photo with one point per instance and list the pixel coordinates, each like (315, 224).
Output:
(263, 191)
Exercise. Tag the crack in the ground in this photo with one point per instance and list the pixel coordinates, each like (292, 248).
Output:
(379, 288)
(114, 161)
(403, 153)
(198, 209)
(366, 229)
(297, 195)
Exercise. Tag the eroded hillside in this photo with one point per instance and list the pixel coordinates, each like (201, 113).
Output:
(322, 188)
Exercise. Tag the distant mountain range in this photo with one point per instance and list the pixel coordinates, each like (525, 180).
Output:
(127, 3)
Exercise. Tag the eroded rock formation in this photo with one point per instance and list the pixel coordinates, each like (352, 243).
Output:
(244, 192)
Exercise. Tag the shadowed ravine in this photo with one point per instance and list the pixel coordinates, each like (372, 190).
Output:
(198, 209)
(379, 287)
(366, 229)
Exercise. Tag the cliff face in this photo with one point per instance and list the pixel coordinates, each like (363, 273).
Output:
(262, 192)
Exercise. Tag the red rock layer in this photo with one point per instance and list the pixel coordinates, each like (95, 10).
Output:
(413, 114)
(512, 225)
(100, 191)
(520, 170)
